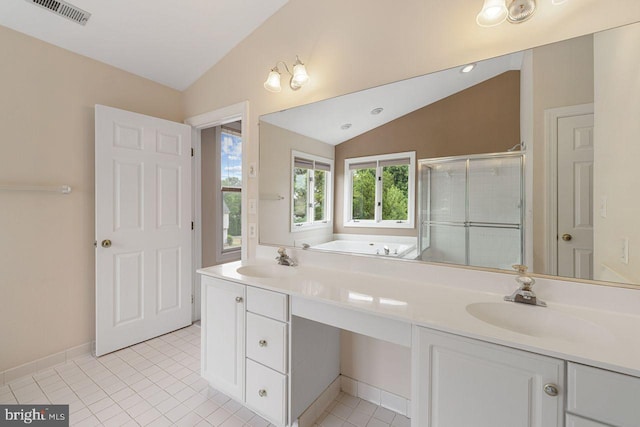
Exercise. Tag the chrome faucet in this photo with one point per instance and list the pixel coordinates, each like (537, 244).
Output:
(524, 294)
(284, 259)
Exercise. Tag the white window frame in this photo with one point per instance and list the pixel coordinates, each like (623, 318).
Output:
(311, 225)
(378, 222)
(229, 254)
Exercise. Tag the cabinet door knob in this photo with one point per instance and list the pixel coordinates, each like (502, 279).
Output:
(551, 389)
(238, 299)
(262, 393)
(262, 343)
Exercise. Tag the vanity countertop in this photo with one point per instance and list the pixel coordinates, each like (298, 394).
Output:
(600, 338)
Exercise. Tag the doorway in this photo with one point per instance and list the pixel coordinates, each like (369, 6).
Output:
(232, 168)
(570, 213)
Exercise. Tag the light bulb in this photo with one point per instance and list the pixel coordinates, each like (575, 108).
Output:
(272, 84)
(493, 12)
(300, 76)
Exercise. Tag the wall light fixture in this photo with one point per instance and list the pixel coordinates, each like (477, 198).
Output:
(299, 76)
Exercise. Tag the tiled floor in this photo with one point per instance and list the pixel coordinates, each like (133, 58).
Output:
(349, 411)
(157, 383)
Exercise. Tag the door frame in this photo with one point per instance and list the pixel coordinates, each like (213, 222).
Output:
(221, 116)
(551, 117)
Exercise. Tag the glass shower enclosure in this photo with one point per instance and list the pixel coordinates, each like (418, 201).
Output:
(471, 210)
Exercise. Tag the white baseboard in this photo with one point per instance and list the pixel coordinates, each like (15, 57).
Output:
(44, 363)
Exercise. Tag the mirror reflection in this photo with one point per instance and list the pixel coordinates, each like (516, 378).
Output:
(526, 158)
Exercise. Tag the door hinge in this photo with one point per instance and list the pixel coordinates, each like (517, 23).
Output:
(192, 226)
(192, 152)
(192, 299)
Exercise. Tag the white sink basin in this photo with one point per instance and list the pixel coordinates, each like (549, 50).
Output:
(266, 271)
(537, 321)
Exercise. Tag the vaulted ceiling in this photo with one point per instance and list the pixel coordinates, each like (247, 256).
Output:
(172, 42)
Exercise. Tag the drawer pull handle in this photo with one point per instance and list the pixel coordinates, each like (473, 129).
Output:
(238, 299)
(262, 343)
(551, 389)
(262, 393)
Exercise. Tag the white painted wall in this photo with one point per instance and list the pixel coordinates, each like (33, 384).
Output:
(617, 85)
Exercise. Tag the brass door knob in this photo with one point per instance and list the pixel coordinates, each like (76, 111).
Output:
(106, 243)
(566, 237)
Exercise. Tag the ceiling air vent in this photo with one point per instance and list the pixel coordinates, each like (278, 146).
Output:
(64, 9)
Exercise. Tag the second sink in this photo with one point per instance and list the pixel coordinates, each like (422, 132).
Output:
(538, 321)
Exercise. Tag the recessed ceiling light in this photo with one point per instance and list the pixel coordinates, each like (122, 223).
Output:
(377, 110)
(345, 126)
(468, 68)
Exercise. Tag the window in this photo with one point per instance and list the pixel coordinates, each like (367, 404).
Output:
(312, 191)
(231, 188)
(379, 191)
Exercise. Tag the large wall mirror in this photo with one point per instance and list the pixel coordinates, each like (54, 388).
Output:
(529, 158)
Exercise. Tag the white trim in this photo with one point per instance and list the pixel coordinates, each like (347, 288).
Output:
(551, 117)
(221, 116)
(294, 228)
(378, 223)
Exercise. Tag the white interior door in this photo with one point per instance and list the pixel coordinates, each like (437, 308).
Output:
(575, 196)
(143, 227)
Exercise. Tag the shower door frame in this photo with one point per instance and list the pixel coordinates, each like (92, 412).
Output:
(423, 168)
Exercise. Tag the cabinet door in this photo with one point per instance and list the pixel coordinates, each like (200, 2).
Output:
(223, 326)
(464, 382)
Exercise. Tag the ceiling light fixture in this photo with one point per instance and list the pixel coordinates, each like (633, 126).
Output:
(345, 126)
(376, 111)
(495, 12)
(299, 76)
(468, 68)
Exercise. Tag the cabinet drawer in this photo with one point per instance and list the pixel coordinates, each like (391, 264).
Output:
(267, 303)
(574, 421)
(266, 392)
(267, 341)
(602, 395)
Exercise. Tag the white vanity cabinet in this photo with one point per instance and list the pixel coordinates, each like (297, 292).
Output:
(267, 351)
(245, 345)
(223, 332)
(607, 398)
(465, 382)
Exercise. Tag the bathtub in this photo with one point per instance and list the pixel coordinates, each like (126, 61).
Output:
(366, 247)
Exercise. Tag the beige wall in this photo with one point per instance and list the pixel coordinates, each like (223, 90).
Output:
(275, 180)
(562, 76)
(616, 172)
(484, 118)
(46, 240)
